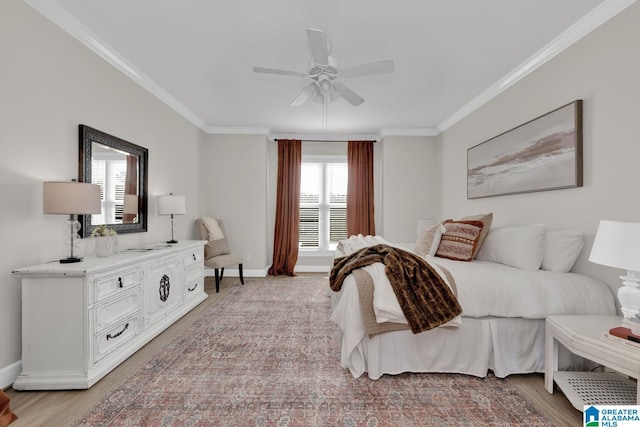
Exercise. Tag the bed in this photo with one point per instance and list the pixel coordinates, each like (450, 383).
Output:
(502, 326)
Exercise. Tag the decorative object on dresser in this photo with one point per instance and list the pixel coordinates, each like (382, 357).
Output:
(105, 239)
(171, 205)
(71, 198)
(120, 169)
(217, 255)
(80, 322)
(617, 244)
(542, 154)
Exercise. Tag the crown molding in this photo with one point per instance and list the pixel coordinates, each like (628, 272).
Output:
(59, 16)
(408, 132)
(598, 16)
(236, 130)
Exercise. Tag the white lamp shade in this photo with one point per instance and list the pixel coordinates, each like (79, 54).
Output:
(171, 204)
(130, 204)
(70, 197)
(617, 244)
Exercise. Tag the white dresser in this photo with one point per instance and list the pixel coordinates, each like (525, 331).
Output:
(81, 320)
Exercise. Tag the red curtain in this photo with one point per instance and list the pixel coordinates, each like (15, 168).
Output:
(360, 209)
(287, 227)
(131, 184)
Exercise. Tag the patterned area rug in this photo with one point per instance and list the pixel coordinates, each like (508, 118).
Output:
(266, 354)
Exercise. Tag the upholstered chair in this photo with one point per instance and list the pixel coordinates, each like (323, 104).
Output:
(217, 255)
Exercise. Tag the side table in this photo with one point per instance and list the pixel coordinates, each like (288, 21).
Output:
(584, 336)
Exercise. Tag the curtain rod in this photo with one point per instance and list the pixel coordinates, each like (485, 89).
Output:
(325, 140)
(321, 137)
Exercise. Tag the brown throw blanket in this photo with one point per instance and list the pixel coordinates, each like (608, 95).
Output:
(424, 297)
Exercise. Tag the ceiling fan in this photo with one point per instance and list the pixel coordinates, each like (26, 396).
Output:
(325, 74)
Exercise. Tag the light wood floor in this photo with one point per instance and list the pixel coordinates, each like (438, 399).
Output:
(61, 408)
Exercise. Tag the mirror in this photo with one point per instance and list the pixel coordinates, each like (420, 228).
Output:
(120, 169)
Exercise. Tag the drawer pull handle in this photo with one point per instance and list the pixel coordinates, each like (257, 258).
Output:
(109, 336)
(193, 289)
(120, 285)
(194, 257)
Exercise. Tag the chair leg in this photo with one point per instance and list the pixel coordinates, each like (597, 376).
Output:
(241, 277)
(217, 281)
(221, 273)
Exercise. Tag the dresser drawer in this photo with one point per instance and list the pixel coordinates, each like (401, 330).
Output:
(193, 273)
(194, 257)
(117, 335)
(121, 281)
(194, 288)
(117, 309)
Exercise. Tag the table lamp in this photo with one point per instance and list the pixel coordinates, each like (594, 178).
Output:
(71, 198)
(617, 244)
(171, 205)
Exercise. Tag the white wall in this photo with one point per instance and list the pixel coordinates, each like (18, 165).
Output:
(49, 84)
(234, 180)
(410, 186)
(603, 69)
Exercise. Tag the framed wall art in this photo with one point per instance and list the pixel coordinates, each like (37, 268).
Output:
(542, 154)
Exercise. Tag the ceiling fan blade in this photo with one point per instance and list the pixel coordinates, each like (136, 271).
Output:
(351, 97)
(318, 44)
(307, 94)
(380, 67)
(277, 71)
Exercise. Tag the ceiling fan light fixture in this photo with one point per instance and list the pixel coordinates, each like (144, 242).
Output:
(324, 70)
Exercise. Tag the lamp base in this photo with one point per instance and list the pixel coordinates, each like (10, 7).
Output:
(172, 241)
(70, 260)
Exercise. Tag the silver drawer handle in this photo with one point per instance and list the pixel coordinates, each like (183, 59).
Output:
(109, 336)
(193, 289)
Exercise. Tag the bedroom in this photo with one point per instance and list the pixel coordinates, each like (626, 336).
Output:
(47, 89)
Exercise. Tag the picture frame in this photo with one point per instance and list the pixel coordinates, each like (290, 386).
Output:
(542, 154)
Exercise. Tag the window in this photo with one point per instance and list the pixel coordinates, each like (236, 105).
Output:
(110, 175)
(323, 202)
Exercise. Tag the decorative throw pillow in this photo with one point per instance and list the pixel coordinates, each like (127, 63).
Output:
(519, 246)
(486, 219)
(561, 249)
(215, 232)
(216, 248)
(460, 240)
(426, 239)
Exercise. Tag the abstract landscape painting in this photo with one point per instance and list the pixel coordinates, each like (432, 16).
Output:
(542, 154)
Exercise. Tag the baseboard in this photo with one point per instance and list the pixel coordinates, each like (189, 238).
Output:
(8, 374)
(229, 272)
(311, 269)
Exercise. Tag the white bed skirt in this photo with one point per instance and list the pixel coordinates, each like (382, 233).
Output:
(503, 345)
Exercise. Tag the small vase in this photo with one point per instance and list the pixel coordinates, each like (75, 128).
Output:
(103, 246)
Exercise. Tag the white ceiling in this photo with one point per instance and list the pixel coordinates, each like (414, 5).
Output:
(450, 56)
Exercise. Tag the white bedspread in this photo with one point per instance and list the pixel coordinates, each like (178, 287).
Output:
(492, 289)
(497, 303)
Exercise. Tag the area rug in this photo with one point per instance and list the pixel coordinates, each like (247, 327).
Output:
(266, 354)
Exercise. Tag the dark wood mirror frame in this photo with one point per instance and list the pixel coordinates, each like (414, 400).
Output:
(89, 135)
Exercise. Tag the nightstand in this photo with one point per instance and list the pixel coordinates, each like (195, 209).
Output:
(584, 336)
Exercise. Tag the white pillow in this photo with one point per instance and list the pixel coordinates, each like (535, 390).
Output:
(436, 239)
(519, 246)
(215, 233)
(561, 249)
